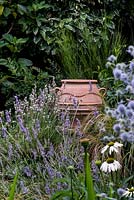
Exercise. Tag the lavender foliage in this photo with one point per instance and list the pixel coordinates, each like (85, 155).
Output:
(39, 143)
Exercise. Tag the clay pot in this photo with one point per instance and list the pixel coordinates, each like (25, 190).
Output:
(80, 96)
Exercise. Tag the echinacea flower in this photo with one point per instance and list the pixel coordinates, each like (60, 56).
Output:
(112, 147)
(129, 192)
(110, 165)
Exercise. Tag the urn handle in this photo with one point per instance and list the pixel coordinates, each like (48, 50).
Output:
(102, 91)
(57, 89)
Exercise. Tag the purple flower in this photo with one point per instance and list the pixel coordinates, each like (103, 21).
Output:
(131, 105)
(112, 58)
(117, 128)
(4, 132)
(121, 109)
(41, 149)
(131, 66)
(129, 114)
(117, 73)
(67, 123)
(130, 50)
(50, 153)
(47, 189)
(8, 116)
(75, 102)
(51, 172)
(124, 136)
(124, 77)
(27, 171)
(130, 137)
(132, 83)
(23, 188)
(120, 191)
(37, 124)
(0, 120)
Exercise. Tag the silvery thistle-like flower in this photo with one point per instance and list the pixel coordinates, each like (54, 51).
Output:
(110, 165)
(117, 73)
(129, 192)
(131, 66)
(130, 50)
(112, 147)
(112, 58)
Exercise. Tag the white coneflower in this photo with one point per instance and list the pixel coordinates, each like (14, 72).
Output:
(112, 147)
(110, 165)
(129, 192)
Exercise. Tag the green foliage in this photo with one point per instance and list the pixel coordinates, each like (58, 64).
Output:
(83, 53)
(13, 187)
(29, 30)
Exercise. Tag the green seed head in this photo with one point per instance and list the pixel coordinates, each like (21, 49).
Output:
(110, 160)
(110, 144)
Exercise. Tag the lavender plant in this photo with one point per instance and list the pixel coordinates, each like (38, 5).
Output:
(37, 141)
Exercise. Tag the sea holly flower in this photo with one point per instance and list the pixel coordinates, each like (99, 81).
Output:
(130, 50)
(120, 191)
(110, 165)
(117, 73)
(129, 192)
(131, 66)
(112, 58)
(112, 147)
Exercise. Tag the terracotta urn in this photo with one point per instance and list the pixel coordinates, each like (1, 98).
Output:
(80, 96)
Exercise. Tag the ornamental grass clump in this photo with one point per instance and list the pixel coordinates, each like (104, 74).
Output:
(37, 142)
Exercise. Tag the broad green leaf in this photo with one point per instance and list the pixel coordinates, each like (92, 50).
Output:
(21, 40)
(43, 34)
(24, 62)
(2, 43)
(7, 12)
(21, 9)
(8, 37)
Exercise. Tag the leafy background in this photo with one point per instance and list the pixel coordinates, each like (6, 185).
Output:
(31, 31)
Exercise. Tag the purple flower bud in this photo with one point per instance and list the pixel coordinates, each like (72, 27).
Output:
(23, 188)
(8, 116)
(4, 132)
(47, 189)
(27, 171)
(75, 102)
